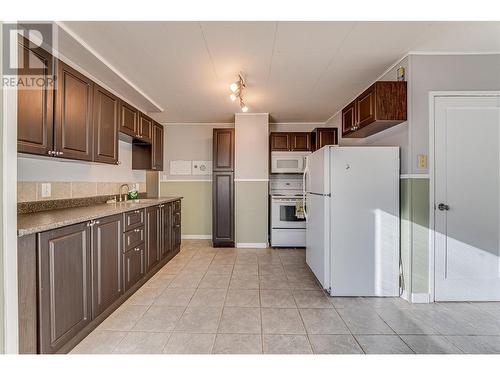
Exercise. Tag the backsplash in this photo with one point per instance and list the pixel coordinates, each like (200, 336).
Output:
(32, 191)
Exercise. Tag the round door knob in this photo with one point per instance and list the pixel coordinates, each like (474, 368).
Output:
(443, 207)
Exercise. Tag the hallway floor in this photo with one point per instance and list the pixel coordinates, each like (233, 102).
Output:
(254, 301)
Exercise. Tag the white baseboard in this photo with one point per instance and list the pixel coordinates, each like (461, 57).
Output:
(252, 245)
(420, 298)
(405, 295)
(196, 237)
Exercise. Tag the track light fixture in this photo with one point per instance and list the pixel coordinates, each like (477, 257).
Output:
(237, 92)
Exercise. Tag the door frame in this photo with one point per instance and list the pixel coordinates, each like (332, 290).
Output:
(432, 107)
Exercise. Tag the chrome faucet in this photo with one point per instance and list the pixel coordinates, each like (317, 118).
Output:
(120, 192)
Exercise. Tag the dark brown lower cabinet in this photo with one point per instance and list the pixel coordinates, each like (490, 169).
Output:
(134, 265)
(65, 285)
(71, 278)
(107, 260)
(223, 209)
(153, 236)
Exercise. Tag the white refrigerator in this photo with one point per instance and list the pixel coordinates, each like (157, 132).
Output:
(352, 219)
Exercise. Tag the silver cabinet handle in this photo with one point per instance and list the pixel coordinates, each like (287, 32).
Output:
(137, 249)
(137, 212)
(96, 222)
(51, 153)
(137, 230)
(59, 153)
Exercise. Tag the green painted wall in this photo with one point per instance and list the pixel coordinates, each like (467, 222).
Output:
(251, 215)
(420, 234)
(415, 234)
(196, 205)
(405, 194)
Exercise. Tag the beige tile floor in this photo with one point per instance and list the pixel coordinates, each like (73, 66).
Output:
(256, 301)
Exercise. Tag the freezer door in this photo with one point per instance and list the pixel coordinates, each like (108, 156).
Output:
(317, 173)
(365, 221)
(318, 238)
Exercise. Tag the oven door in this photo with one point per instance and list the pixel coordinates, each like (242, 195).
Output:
(287, 162)
(284, 214)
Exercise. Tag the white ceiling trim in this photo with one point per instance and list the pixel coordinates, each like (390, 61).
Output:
(444, 53)
(110, 66)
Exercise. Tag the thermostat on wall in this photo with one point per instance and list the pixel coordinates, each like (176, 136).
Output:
(202, 167)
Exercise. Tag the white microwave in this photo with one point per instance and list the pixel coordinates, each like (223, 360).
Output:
(288, 161)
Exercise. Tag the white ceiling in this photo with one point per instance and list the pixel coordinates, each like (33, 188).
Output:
(296, 71)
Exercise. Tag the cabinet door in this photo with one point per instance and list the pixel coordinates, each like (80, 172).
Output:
(280, 141)
(35, 105)
(223, 209)
(129, 119)
(65, 290)
(324, 137)
(157, 148)
(165, 225)
(73, 125)
(365, 107)
(145, 132)
(134, 266)
(349, 118)
(300, 141)
(107, 279)
(153, 240)
(223, 150)
(106, 108)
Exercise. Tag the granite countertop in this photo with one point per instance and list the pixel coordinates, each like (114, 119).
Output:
(46, 220)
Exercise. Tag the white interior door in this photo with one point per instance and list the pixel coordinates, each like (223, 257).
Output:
(467, 198)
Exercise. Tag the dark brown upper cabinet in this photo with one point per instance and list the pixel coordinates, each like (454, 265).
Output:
(106, 108)
(149, 156)
(157, 149)
(35, 106)
(223, 149)
(107, 271)
(323, 136)
(73, 120)
(145, 132)
(64, 285)
(129, 119)
(284, 141)
(280, 141)
(382, 105)
(300, 142)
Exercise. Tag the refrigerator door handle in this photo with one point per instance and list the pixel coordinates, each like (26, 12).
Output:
(304, 179)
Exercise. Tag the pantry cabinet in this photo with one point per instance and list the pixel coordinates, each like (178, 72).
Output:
(381, 106)
(35, 105)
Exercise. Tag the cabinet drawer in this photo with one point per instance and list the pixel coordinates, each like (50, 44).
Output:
(133, 219)
(134, 265)
(133, 238)
(177, 206)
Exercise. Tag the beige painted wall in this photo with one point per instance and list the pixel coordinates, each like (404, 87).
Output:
(251, 163)
(188, 142)
(251, 212)
(251, 146)
(196, 217)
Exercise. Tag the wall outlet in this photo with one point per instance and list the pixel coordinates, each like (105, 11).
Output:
(46, 190)
(422, 161)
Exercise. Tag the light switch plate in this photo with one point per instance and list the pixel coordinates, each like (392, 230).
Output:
(422, 161)
(46, 190)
